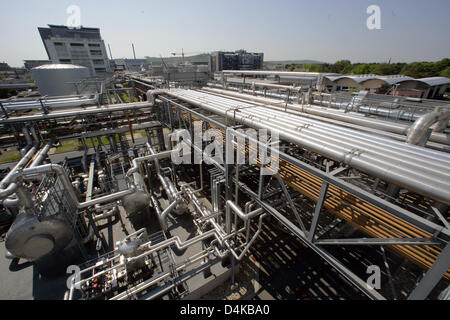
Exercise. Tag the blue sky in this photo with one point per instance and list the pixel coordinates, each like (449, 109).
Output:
(324, 30)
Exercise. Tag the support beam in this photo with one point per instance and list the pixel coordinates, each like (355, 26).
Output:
(433, 275)
(291, 203)
(317, 209)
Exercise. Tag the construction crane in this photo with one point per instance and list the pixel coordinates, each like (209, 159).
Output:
(183, 53)
(164, 64)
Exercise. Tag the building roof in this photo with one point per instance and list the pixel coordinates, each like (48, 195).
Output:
(59, 66)
(390, 80)
(435, 81)
(81, 27)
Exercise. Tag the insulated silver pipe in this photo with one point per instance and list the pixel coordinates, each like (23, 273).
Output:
(59, 170)
(371, 141)
(231, 206)
(166, 183)
(28, 139)
(340, 123)
(420, 130)
(354, 138)
(136, 161)
(347, 107)
(339, 140)
(163, 216)
(336, 115)
(14, 202)
(106, 214)
(379, 111)
(274, 73)
(392, 171)
(21, 164)
(41, 155)
(94, 110)
(51, 103)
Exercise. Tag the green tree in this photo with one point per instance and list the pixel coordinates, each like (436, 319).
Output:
(441, 65)
(325, 68)
(340, 65)
(419, 69)
(311, 67)
(445, 72)
(384, 69)
(361, 68)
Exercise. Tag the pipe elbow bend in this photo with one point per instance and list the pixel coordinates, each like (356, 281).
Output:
(151, 95)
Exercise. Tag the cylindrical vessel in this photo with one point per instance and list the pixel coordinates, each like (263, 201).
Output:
(59, 79)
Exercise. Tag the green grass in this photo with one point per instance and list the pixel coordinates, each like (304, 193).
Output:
(68, 145)
(142, 132)
(104, 140)
(74, 144)
(10, 156)
(126, 98)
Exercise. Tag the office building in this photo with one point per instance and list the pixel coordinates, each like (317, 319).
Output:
(83, 47)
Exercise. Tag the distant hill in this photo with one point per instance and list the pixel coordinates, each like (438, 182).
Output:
(294, 62)
(204, 57)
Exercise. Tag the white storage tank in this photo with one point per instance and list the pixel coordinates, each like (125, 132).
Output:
(58, 79)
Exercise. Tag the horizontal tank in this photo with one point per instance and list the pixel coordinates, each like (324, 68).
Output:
(32, 238)
(58, 79)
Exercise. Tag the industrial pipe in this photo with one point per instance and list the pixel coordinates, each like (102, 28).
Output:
(334, 114)
(419, 132)
(55, 115)
(392, 171)
(59, 170)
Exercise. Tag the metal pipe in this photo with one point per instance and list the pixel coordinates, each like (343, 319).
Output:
(151, 95)
(385, 143)
(248, 245)
(400, 171)
(55, 115)
(379, 111)
(337, 115)
(15, 201)
(136, 161)
(351, 138)
(28, 139)
(163, 216)
(12, 186)
(41, 155)
(275, 73)
(20, 165)
(420, 131)
(231, 206)
(51, 103)
(33, 133)
(59, 170)
(106, 214)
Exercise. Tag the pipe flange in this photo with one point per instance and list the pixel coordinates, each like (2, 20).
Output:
(303, 126)
(352, 153)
